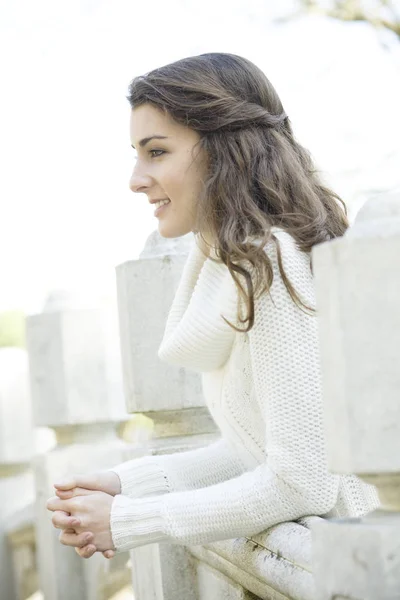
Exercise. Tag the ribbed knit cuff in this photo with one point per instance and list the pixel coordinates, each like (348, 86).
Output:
(141, 477)
(136, 522)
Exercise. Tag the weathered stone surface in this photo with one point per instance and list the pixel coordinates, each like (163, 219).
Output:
(358, 291)
(16, 493)
(16, 450)
(158, 246)
(146, 288)
(358, 558)
(273, 565)
(74, 362)
(212, 584)
(163, 572)
(16, 427)
(20, 530)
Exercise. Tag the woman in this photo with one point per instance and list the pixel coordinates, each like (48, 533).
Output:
(216, 153)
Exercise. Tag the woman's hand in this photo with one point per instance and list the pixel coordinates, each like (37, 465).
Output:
(102, 481)
(88, 513)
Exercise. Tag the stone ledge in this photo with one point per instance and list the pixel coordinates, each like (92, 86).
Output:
(274, 565)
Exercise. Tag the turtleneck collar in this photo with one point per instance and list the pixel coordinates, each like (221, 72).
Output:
(195, 334)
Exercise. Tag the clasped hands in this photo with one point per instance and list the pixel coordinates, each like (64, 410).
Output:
(82, 508)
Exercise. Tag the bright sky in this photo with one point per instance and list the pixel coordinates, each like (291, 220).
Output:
(67, 217)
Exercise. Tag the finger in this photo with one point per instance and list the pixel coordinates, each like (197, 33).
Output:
(77, 491)
(90, 482)
(109, 554)
(61, 520)
(76, 539)
(55, 503)
(86, 551)
(68, 483)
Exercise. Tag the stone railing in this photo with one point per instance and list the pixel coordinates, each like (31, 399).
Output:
(358, 294)
(75, 387)
(76, 390)
(17, 561)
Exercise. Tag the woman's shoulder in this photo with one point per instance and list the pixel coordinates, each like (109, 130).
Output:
(283, 236)
(289, 249)
(296, 262)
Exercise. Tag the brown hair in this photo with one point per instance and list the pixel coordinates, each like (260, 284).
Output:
(258, 175)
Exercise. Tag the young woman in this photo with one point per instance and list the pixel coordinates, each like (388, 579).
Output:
(217, 156)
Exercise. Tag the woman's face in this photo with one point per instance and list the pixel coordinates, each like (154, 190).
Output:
(166, 169)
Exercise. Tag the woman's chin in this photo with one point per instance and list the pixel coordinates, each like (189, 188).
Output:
(167, 231)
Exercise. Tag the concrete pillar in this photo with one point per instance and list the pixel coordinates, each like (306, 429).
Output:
(358, 294)
(16, 450)
(76, 388)
(170, 396)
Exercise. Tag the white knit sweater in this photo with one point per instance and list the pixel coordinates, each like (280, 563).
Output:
(263, 390)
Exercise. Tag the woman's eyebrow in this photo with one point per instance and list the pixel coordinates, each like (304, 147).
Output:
(144, 141)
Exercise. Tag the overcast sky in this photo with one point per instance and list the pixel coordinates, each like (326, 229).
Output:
(67, 215)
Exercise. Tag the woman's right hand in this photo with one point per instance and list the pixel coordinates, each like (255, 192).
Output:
(102, 481)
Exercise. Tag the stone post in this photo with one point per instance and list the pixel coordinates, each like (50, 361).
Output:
(358, 296)
(170, 396)
(76, 388)
(16, 450)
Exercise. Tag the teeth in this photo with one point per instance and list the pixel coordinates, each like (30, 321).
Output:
(162, 202)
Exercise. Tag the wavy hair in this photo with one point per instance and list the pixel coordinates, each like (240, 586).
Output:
(258, 175)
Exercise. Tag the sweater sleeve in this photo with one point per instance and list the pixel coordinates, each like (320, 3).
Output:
(165, 473)
(294, 480)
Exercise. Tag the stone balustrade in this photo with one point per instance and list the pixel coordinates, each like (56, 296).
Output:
(358, 293)
(76, 389)
(16, 450)
(21, 537)
(75, 384)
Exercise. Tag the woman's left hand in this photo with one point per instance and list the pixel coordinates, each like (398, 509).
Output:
(92, 510)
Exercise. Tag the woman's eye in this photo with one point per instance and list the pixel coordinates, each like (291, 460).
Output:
(155, 156)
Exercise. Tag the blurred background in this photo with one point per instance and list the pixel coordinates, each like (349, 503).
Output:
(67, 214)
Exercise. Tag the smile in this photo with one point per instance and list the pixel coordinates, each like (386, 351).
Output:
(161, 207)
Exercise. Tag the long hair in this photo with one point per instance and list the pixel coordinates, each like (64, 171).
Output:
(258, 175)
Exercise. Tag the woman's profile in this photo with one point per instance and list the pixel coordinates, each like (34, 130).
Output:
(216, 155)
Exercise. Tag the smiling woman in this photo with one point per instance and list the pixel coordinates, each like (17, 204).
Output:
(216, 151)
(166, 168)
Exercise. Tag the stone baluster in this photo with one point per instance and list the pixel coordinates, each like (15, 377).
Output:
(76, 388)
(16, 450)
(358, 295)
(169, 395)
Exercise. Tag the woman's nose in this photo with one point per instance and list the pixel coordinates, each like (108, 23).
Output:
(139, 182)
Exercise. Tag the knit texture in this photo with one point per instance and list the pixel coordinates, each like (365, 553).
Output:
(152, 475)
(263, 390)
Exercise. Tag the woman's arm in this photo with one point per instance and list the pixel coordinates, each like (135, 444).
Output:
(165, 473)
